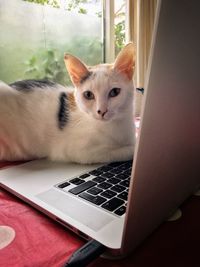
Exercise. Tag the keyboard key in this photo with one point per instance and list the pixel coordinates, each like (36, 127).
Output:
(113, 181)
(63, 185)
(116, 164)
(118, 188)
(99, 179)
(128, 172)
(123, 195)
(108, 194)
(83, 176)
(122, 176)
(125, 167)
(96, 172)
(113, 204)
(116, 171)
(105, 168)
(125, 183)
(97, 200)
(94, 191)
(104, 185)
(129, 163)
(107, 175)
(120, 211)
(77, 181)
(80, 188)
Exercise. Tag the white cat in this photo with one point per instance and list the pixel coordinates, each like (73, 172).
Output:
(93, 123)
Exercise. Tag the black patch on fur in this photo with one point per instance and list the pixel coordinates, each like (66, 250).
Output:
(85, 77)
(141, 90)
(63, 111)
(28, 85)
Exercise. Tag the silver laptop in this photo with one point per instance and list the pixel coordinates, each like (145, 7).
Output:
(165, 169)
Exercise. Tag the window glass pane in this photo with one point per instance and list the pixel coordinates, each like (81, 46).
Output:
(34, 37)
(119, 24)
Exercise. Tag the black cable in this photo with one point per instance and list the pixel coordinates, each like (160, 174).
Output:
(86, 254)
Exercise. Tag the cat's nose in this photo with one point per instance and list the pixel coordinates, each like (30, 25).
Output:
(102, 112)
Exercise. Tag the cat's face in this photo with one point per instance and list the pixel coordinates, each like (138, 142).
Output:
(104, 94)
(103, 91)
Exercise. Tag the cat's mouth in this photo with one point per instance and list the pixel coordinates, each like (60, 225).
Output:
(106, 117)
(101, 119)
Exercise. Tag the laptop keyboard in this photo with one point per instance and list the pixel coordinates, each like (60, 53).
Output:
(106, 187)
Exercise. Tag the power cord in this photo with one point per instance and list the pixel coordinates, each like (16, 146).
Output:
(86, 254)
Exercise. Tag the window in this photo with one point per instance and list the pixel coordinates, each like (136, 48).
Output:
(115, 17)
(34, 37)
(35, 34)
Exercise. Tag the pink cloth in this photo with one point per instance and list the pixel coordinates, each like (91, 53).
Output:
(38, 240)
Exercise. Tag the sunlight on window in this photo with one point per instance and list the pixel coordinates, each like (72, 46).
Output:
(35, 34)
(119, 24)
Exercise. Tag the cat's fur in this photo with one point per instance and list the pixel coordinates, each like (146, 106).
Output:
(42, 119)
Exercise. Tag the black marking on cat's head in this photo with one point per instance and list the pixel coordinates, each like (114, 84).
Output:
(63, 113)
(85, 77)
(29, 85)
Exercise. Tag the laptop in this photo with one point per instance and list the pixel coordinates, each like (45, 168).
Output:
(120, 204)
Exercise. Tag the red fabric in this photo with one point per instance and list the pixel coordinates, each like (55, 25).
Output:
(39, 242)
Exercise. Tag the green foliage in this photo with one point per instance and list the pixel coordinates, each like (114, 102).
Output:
(70, 4)
(47, 64)
(75, 5)
(99, 14)
(54, 3)
(119, 36)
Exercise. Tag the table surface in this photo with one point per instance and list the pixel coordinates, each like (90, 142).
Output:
(29, 238)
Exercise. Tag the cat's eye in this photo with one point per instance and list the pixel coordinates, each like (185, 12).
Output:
(88, 95)
(114, 92)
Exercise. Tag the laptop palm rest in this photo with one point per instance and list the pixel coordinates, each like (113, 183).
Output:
(76, 209)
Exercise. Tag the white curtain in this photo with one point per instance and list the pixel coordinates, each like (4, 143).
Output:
(139, 30)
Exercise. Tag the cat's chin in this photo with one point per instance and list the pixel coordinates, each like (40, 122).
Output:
(104, 119)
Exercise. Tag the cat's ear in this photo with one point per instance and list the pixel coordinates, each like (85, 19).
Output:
(76, 68)
(125, 61)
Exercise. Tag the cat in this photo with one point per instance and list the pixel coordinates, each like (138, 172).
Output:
(90, 123)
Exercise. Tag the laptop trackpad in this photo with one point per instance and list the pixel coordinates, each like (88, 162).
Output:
(84, 213)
